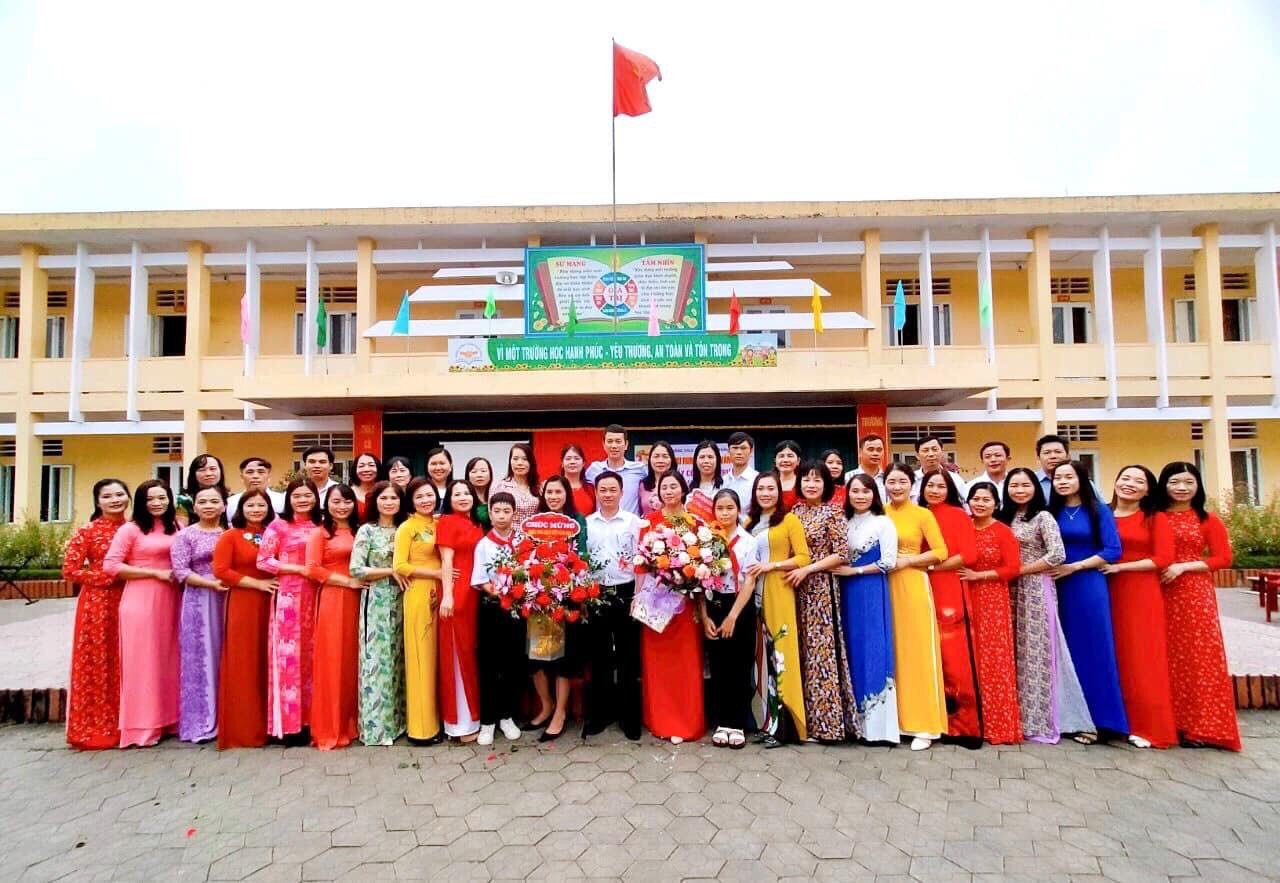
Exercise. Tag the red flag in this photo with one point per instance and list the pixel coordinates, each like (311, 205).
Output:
(735, 310)
(631, 73)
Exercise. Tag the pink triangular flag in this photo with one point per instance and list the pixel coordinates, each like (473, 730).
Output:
(654, 330)
(246, 327)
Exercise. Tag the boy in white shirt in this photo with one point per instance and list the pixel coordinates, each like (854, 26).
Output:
(500, 639)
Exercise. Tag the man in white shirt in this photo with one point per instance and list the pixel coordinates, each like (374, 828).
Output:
(994, 456)
(632, 472)
(255, 474)
(742, 476)
(870, 462)
(931, 456)
(500, 645)
(317, 465)
(614, 637)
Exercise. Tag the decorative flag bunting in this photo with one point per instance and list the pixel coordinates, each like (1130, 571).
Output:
(735, 312)
(490, 305)
(322, 325)
(632, 72)
(899, 308)
(984, 305)
(815, 303)
(401, 325)
(654, 330)
(246, 326)
(572, 327)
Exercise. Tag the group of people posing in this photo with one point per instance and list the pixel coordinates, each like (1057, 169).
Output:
(871, 604)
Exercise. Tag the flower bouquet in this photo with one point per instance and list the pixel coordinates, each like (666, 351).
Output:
(682, 558)
(541, 578)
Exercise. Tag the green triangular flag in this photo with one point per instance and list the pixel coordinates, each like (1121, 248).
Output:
(490, 305)
(572, 328)
(984, 304)
(322, 325)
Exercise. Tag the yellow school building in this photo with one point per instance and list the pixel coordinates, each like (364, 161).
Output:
(1142, 328)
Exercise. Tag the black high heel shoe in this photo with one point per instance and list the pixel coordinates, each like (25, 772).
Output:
(548, 736)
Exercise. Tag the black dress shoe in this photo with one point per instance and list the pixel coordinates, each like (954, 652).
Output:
(594, 728)
(631, 731)
(548, 736)
(424, 743)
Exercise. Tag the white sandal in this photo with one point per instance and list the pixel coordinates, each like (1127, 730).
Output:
(737, 740)
(721, 737)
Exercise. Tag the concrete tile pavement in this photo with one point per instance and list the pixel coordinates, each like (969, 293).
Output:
(612, 809)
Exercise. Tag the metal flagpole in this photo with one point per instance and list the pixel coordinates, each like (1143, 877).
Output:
(613, 165)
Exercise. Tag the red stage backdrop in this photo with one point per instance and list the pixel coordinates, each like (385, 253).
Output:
(548, 443)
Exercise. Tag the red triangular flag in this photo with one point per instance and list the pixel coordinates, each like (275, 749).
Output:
(735, 310)
(631, 73)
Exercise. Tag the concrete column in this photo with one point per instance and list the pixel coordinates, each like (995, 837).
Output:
(33, 301)
(192, 435)
(1207, 265)
(869, 277)
(198, 284)
(1040, 308)
(366, 302)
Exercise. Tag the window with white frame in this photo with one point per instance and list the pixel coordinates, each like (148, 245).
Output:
(1072, 323)
(6, 493)
(171, 474)
(56, 494)
(910, 333)
(1237, 318)
(166, 335)
(784, 336)
(341, 338)
(1246, 478)
(55, 337)
(8, 337)
(1184, 320)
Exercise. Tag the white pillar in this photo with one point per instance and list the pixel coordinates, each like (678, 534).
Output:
(988, 332)
(81, 331)
(136, 328)
(1268, 288)
(253, 295)
(1105, 315)
(309, 317)
(1153, 296)
(926, 297)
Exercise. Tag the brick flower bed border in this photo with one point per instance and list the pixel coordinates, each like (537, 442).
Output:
(43, 706)
(39, 588)
(1257, 691)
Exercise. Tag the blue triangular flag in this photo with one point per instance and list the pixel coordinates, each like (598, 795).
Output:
(401, 325)
(899, 308)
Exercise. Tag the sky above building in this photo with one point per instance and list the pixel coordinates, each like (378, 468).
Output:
(132, 105)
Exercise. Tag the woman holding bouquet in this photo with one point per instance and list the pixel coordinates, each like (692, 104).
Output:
(781, 547)
(729, 625)
(557, 496)
(671, 660)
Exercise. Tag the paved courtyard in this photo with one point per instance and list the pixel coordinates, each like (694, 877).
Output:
(651, 811)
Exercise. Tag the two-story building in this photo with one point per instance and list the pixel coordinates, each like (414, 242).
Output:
(1142, 328)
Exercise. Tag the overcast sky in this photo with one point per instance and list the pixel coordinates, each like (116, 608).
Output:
(254, 105)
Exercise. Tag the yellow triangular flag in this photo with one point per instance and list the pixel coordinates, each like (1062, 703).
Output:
(816, 306)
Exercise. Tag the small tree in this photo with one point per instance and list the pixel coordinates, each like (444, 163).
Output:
(1255, 533)
(33, 545)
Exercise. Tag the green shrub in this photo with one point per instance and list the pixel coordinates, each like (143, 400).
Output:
(37, 544)
(1255, 533)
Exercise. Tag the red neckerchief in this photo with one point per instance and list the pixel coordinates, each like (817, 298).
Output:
(493, 536)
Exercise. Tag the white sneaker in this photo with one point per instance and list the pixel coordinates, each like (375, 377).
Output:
(920, 743)
(486, 735)
(676, 740)
(509, 729)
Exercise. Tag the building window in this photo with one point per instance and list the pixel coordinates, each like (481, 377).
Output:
(784, 336)
(910, 333)
(55, 493)
(170, 474)
(166, 335)
(478, 314)
(1089, 459)
(1237, 318)
(1246, 479)
(6, 493)
(55, 337)
(342, 334)
(1072, 323)
(8, 337)
(1184, 320)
